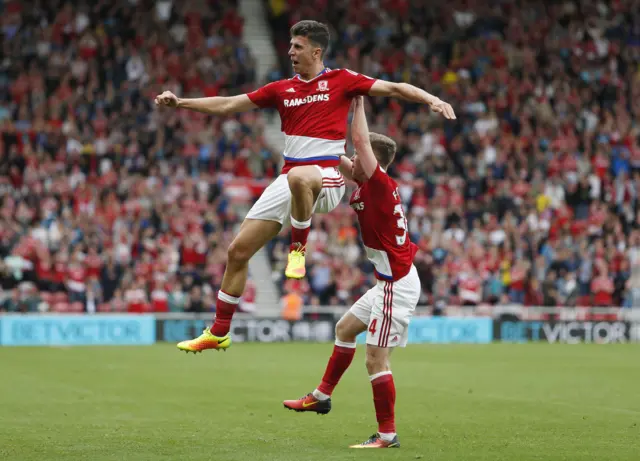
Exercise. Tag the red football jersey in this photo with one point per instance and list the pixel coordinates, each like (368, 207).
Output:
(314, 114)
(383, 226)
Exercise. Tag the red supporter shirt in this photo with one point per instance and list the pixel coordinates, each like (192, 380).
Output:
(159, 300)
(602, 289)
(517, 278)
(93, 264)
(59, 272)
(76, 276)
(44, 271)
(470, 290)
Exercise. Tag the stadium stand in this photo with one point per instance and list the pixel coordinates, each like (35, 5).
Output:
(107, 204)
(532, 196)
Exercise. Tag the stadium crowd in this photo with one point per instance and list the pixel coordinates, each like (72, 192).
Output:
(107, 204)
(531, 197)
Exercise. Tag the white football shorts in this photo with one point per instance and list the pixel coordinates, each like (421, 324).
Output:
(387, 309)
(275, 202)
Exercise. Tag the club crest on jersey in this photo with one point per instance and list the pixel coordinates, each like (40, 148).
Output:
(357, 206)
(323, 85)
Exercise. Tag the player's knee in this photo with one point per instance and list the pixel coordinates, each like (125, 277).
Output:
(376, 360)
(297, 180)
(238, 253)
(345, 333)
(301, 180)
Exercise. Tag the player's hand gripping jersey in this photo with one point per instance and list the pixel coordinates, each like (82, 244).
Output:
(383, 226)
(314, 114)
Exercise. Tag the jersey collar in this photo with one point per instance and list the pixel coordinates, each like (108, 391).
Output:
(322, 72)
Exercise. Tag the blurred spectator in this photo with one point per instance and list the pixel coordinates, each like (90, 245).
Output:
(107, 204)
(292, 306)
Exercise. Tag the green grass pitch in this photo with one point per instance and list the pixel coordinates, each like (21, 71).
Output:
(493, 402)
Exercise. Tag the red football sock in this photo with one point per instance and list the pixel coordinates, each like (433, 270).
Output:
(384, 400)
(338, 363)
(225, 307)
(299, 233)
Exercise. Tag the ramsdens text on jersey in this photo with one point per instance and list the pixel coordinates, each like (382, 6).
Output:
(300, 101)
(358, 206)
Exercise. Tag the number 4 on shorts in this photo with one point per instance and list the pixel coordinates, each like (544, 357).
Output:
(372, 326)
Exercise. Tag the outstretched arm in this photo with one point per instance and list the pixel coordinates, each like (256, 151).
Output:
(411, 93)
(360, 138)
(217, 105)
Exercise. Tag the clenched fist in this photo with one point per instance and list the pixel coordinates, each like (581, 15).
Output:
(167, 99)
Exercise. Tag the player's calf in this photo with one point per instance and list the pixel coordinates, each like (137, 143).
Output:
(319, 400)
(344, 350)
(305, 184)
(253, 235)
(384, 393)
(233, 283)
(296, 268)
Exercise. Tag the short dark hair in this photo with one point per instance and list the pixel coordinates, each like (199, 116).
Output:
(384, 148)
(315, 31)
